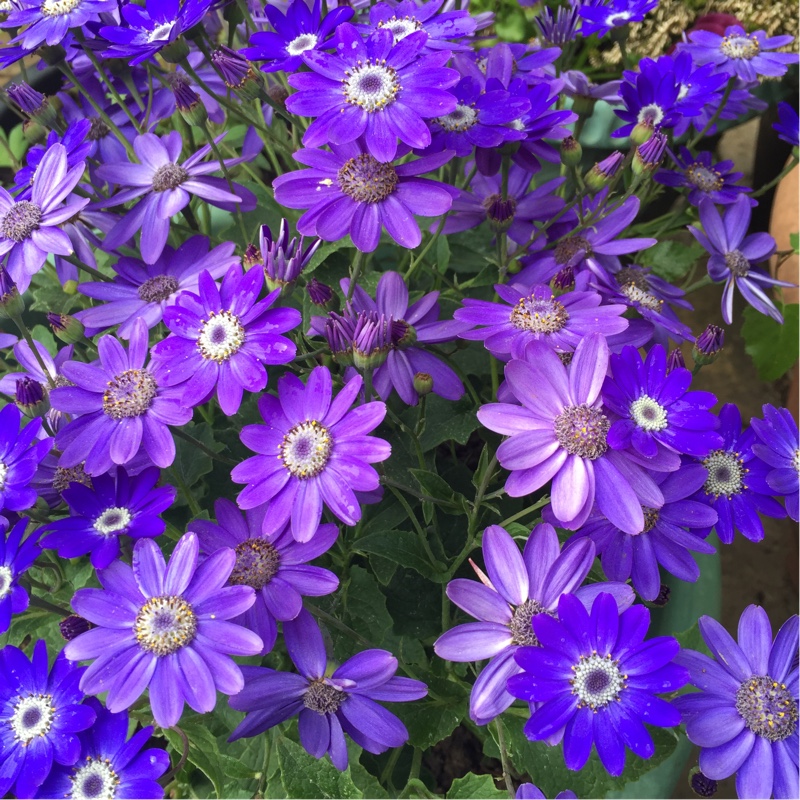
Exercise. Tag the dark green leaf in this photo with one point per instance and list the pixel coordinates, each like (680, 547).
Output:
(303, 775)
(472, 785)
(442, 254)
(772, 346)
(445, 420)
(671, 260)
(401, 547)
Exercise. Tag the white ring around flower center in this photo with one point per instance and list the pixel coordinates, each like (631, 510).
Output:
(371, 86)
(648, 414)
(745, 47)
(165, 624)
(160, 32)
(32, 717)
(796, 461)
(221, 336)
(401, 28)
(618, 19)
(3, 473)
(58, 8)
(597, 680)
(725, 473)
(94, 780)
(643, 298)
(301, 43)
(113, 520)
(462, 119)
(651, 114)
(305, 449)
(6, 577)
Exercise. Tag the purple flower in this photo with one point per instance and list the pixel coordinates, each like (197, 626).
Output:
(779, 447)
(21, 451)
(519, 586)
(283, 258)
(560, 433)
(664, 539)
(580, 88)
(598, 680)
(41, 713)
(311, 450)
(110, 764)
(350, 191)
(16, 557)
(375, 89)
(744, 718)
(558, 26)
(736, 482)
(788, 124)
(536, 314)
(115, 506)
(650, 97)
(165, 187)
(347, 701)
(120, 406)
(49, 21)
(164, 627)
(740, 54)
(528, 791)
(143, 291)
(703, 178)
(222, 338)
(30, 229)
(734, 256)
(601, 18)
(275, 565)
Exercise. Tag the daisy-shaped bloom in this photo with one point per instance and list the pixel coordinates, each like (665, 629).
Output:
(41, 713)
(222, 338)
(301, 28)
(16, 557)
(114, 506)
(666, 539)
(649, 97)
(119, 407)
(744, 718)
(598, 680)
(407, 17)
(703, 178)
(165, 186)
(142, 291)
(348, 190)
(788, 124)
(275, 565)
(741, 54)
(30, 229)
(110, 764)
(601, 18)
(778, 446)
(526, 315)
(21, 451)
(734, 255)
(518, 587)
(327, 706)
(313, 449)
(375, 89)
(49, 21)
(736, 482)
(560, 432)
(158, 623)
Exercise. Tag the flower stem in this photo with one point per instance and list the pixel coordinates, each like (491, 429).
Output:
(355, 271)
(501, 743)
(720, 108)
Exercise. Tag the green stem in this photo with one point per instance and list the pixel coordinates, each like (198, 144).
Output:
(355, 271)
(525, 511)
(26, 334)
(37, 602)
(501, 744)
(775, 181)
(720, 108)
(86, 268)
(335, 623)
(704, 281)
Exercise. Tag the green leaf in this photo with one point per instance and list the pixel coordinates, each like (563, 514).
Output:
(434, 486)
(402, 547)
(794, 241)
(303, 775)
(772, 346)
(472, 785)
(415, 789)
(442, 254)
(191, 463)
(671, 260)
(324, 251)
(445, 421)
(366, 607)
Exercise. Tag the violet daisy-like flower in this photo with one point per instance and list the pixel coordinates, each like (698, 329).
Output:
(598, 681)
(744, 718)
(110, 764)
(703, 178)
(41, 714)
(788, 125)
(327, 706)
(49, 21)
(348, 190)
(518, 587)
(313, 449)
(222, 338)
(649, 97)
(30, 229)
(529, 791)
(740, 54)
(114, 506)
(779, 447)
(560, 432)
(736, 482)
(601, 18)
(526, 315)
(165, 185)
(666, 539)
(16, 557)
(734, 255)
(21, 452)
(157, 623)
(407, 17)
(275, 565)
(119, 407)
(373, 89)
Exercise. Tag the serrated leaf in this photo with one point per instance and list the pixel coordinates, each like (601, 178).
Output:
(191, 463)
(445, 421)
(302, 775)
(438, 489)
(324, 251)
(402, 547)
(473, 785)
(414, 789)
(772, 346)
(366, 607)
(671, 260)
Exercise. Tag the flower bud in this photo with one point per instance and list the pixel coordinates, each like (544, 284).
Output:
(65, 327)
(284, 258)
(278, 95)
(33, 103)
(500, 212)
(238, 73)
(662, 598)
(73, 626)
(70, 287)
(642, 131)
(371, 341)
(702, 785)
(31, 398)
(322, 296)
(176, 51)
(423, 383)
(708, 345)
(675, 360)
(252, 257)
(571, 151)
(188, 102)
(563, 280)
(11, 303)
(339, 333)
(603, 172)
(648, 156)
(33, 131)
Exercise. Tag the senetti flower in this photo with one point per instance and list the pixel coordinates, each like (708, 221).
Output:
(41, 714)
(649, 97)
(275, 566)
(744, 718)
(110, 764)
(778, 446)
(601, 19)
(16, 557)
(375, 89)
(156, 623)
(327, 706)
(788, 124)
(21, 452)
(49, 21)
(598, 681)
(348, 190)
(518, 587)
(703, 178)
(312, 450)
(407, 17)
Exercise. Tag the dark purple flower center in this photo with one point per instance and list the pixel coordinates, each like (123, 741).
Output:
(32, 716)
(73, 626)
(460, 120)
(169, 176)
(371, 85)
(500, 211)
(539, 315)
(401, 26)
(582, 431)
(767, 708)
(113, 520)
(705, 179)
(164, 625)
(597, 681)
(746, 47)
(64, 476)
(221, 336)
(521, 623)
(568, 248)
(322, 697)
(650, 518)
(366, 180)
(305, 449)
(155, 290)
(97, 129)
(94, 778)
(257, 563)
(129, 394)
(726, 473)
(736, 261)
(21, 220)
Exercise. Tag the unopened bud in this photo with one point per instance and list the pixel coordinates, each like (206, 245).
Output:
(371, 342)
(33, 103)
(252, 257)
(500, 211)
(423, 383)
(563, 280)
(708, 345)
(73, 626)
(70, 287)
(175, 51)
(648, 156)
(31, 398)
(278, 95)
(65, 327)
(702, 785)
(33, 131)
(11, 303)
(322, 296)
(571, 151)
(238, 73)
(675, 360)
(188, 102)
(603, 172)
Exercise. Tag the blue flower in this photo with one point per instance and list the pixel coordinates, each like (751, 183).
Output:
(788, 124)
(21, 451)
(703, 178)
(650, 97)
(49, 21)
(779, 447)
(16, 557)
(600, 18)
